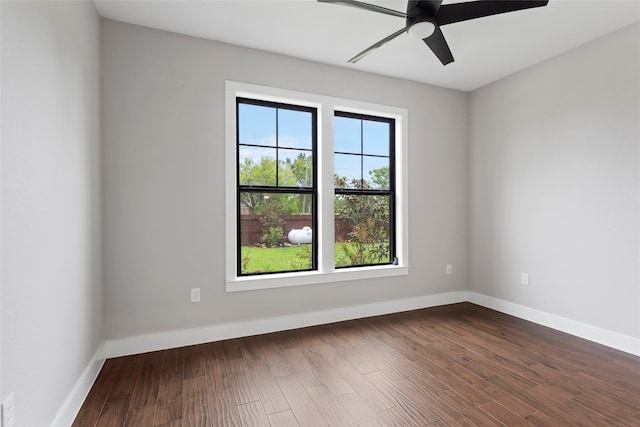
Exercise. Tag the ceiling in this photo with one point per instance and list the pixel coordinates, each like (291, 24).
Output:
(484, 49)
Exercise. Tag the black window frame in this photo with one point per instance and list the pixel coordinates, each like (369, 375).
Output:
(276, 189)
(391, 192)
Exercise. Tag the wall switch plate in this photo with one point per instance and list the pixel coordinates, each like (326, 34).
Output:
(524, 279)
(9, 412)
(195, 294)
(449, 269)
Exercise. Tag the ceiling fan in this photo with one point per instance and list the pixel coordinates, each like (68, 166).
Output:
(425, 17)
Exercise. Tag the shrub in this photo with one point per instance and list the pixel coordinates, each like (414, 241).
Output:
(302, 259)
(272, 237)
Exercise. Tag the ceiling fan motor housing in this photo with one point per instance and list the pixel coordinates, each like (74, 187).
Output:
(420, 27)
(429, 8)
(424, 18)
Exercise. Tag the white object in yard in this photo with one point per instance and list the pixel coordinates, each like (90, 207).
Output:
(300, 236)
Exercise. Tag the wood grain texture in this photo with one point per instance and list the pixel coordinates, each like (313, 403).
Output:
(98, 395)
(114, 412)
(195, 402)
(455, 365)
(283, 419)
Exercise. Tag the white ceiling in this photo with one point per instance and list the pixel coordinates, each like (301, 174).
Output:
(485, 49)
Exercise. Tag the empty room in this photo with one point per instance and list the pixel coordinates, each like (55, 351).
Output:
(312, 213)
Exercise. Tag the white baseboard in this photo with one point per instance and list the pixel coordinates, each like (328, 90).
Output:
(179, 338)
(611, 339)
(172, 339)
(75, 399)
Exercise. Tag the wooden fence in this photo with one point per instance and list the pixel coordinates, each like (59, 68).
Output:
(251, 227)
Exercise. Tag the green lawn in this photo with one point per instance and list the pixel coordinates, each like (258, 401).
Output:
(289, 258)
(265, 260)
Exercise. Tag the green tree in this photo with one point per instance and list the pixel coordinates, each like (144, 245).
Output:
(262, 173)
(272, 221)
(301, 169)
(368, 220)
(291, 173)
(380, 178)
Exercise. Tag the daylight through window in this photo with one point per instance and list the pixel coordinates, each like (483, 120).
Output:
(276, 187)
(315, 189)
(364, 190)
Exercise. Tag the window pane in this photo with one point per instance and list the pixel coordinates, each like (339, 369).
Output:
(376, 172)
(362, 230)
(347, 135)
(294, 129)
(296, 168)
(375, 138)
(348, 172)
(256, 125)
(257, 165)
(275, 232)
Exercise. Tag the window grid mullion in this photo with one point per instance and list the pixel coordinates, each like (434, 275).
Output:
(361, 154)
(277, 150)
(361, 191)
(277, 189)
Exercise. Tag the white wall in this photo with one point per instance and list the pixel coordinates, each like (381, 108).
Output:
(163, 163)
(553, 189)
(51, 279)
(550, 185)
(555, 185)
(1, 394)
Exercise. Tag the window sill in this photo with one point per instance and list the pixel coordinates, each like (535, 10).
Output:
(313, 277)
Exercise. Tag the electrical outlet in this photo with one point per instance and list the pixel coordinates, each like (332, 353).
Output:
(195, 294)
(524, 279)
(449, 270)
(9, 412)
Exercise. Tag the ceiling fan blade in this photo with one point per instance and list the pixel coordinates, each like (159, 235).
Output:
(373, 47)
(438, 44)
(457, 12)
(366, 6)
(423, 7)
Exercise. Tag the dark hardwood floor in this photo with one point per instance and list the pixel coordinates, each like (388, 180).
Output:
(456, 365)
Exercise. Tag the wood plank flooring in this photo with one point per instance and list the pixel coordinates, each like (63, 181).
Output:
(455, 365)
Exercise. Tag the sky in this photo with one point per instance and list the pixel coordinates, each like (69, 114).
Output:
(360, 145)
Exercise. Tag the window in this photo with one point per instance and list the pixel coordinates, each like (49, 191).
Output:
(315, 189)
(276, 187)
(364, 205)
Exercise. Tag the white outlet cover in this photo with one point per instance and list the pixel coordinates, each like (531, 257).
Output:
(195, 294)
(9, 412)
(524, 279)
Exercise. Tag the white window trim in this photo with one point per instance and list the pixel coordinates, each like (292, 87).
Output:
(326, 105)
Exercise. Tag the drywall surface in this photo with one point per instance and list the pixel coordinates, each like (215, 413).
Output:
(163, 173)
(51, 290)
(555, 185)
(1, 394)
